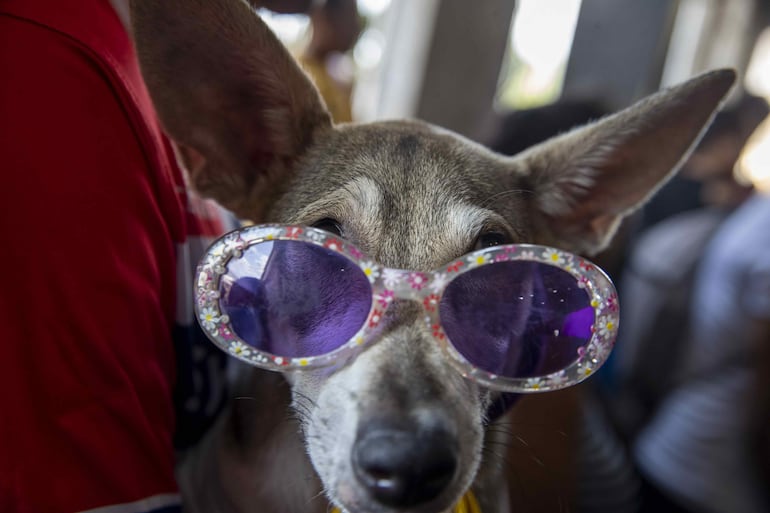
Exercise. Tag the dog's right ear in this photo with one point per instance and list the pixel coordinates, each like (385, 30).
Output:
(237, 105)
(585, 181)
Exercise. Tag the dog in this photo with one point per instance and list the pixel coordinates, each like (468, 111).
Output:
(253, 134)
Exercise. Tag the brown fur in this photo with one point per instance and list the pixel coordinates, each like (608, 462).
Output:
(255, 136)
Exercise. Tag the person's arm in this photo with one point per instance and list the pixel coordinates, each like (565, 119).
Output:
(86, 361)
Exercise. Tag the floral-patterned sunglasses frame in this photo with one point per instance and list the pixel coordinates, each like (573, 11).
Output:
(423, 287)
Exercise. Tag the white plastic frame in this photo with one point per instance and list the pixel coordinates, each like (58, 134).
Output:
(423, 287)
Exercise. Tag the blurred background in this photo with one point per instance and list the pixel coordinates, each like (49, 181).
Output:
(679, 418)
(462, 65)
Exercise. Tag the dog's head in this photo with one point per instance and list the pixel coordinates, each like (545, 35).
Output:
(397, 429)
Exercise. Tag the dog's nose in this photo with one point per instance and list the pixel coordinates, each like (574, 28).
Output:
(402, 467)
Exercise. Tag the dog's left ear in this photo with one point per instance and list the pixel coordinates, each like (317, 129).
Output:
(584, 182)
(237, 105)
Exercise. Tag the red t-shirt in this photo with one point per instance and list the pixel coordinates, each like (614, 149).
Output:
(97, 242)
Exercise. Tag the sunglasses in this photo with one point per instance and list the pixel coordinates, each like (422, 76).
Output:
(513, 318)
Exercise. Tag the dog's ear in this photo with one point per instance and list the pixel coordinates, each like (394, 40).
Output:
(585, 181)
(237, 105)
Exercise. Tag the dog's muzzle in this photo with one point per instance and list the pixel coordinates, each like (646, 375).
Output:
(402, 467)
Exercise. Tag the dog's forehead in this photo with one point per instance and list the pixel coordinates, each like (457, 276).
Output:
(408, 194)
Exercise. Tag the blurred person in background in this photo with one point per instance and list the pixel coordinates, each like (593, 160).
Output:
(683, 387)
(698, 452)
(336, 26)
(104, 374)
(656, 290)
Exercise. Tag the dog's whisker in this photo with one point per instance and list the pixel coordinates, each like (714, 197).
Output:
(304, 408)
(512, 471)
(300, 405)
(296, 418)
(518, 423)
(501, 194)
(301, 409)
(318, 495)
(300, 402)
(307, 398)
(530, 453)
(494, 462)
(510, 429)
(501, 431)
(499, 443)
(500, 459)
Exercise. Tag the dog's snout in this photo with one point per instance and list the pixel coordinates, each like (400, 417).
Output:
(402, 467)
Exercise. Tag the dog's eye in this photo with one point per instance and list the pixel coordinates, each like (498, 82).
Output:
(330, 225)
(490, 239)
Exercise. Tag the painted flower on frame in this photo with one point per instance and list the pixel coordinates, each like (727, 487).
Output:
(534, 383)
(371, 270)
(375, 319)
(502, 257)
(439, 282)
(606, 327)
(316, 235)
(240, 349)
(333, 244)
(479, 259)
(558, 379)
(431, 302)
(417, 280)
(602, 351)
(391, 277)
(225, 333)
(455, 267)
(293, 232)
(209, 318)
(385, 297)
(527, 255)
(554, 256)
(355, 252)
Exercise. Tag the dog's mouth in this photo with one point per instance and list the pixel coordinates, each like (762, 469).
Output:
(396, 431)
(400, 467)
(390, 495)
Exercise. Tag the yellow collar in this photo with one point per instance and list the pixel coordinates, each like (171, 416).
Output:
(467, 504)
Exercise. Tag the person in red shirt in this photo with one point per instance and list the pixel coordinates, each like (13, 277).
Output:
(100, 357)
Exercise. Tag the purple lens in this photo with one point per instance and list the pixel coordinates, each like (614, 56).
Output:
(294, 299)
(517, 319)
